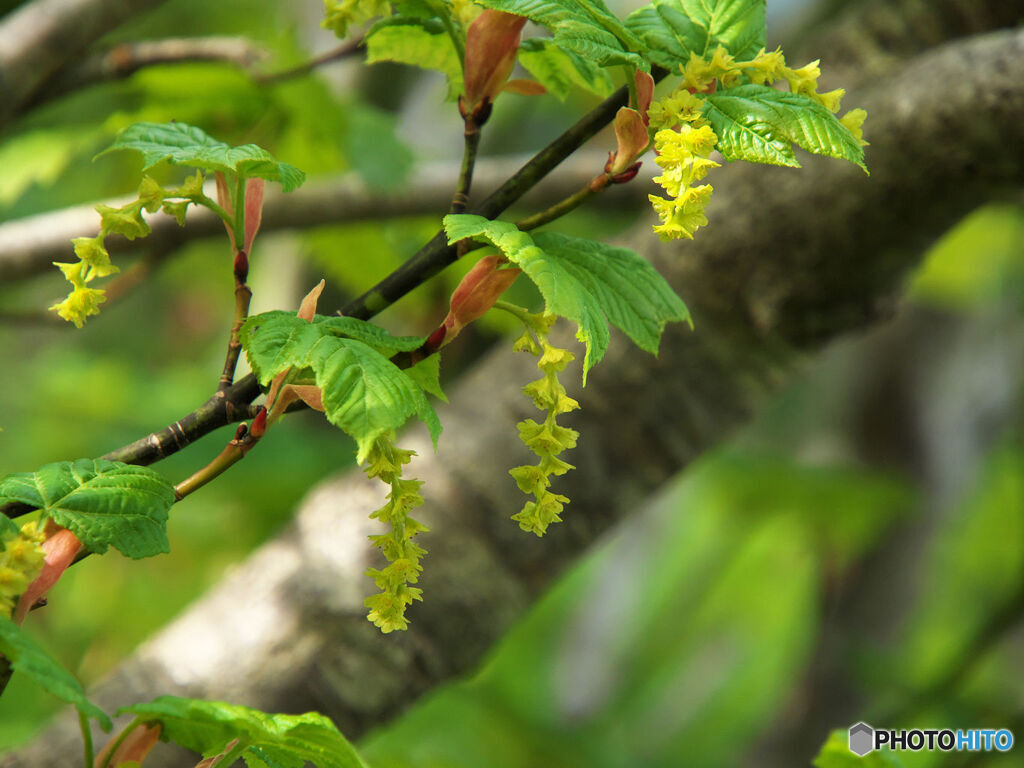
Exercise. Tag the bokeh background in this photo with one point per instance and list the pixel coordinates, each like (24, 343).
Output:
(857, 552)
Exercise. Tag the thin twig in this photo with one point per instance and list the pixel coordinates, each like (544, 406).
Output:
(233, 452)
(472, 141)
(437, 254)
(563, 207)
(125, 59)
(343, 51)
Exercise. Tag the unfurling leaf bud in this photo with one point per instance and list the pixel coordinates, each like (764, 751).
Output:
(253, 210)
(480, 288)
(491, 44)
(644, 92)
(60, 550)
(307, 309)
(631, 135)
(133, 749)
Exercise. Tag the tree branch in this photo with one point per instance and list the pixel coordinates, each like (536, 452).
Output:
(125, 59)
(38, 38)
(346, 50)
(29, 246)
(769, 280)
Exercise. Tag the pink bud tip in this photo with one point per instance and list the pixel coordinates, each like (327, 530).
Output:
(435, 339)
(241, 267)
(627, 175)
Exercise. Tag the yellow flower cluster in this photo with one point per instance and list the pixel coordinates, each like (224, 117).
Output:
(765, 69)
(683, 157)
(21, 561)
(547, 439)
(387, 608)
(684, 139)
(94, 260)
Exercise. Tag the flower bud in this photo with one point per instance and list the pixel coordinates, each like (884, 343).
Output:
(479, 289)
(491, 44)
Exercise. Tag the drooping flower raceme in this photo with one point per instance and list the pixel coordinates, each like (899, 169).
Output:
(546, 439)
(387, 608)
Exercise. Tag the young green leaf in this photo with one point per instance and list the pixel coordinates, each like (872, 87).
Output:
(427, 375)
(282, 332)
(104, 503)
(561, 70)
(269, 740)
(836, 754)
(633, 296)
(420, 43)
(35, 663)
(585, 281)
(585, 27)
(758, 123)
(181, 144)
(364, 393)
(673, 29)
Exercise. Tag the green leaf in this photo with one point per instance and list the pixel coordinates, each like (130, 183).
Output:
(102, 502)
(181, 144)
(420, 43)
(276, 324)
(585, 27)
(364, 393)
(836, 754)
(587, 282)
(634, 297)
(427, 375)
(560, 70)
(288, 740)
(758, 124)
(35, 663)
(672, 29)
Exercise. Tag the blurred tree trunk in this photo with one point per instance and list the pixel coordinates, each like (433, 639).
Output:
(790, 260)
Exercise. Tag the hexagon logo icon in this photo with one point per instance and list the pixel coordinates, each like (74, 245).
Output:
(862, 739)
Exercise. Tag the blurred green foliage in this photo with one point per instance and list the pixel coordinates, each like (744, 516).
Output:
(691, 632)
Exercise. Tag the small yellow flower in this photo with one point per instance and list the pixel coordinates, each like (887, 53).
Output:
(681, 217)
(854, 122)
(765, 68)
(697, 73)
(831, 100)
(80, 304)
(803, 80)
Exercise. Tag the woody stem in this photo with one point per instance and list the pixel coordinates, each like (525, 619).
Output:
(472, 141)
